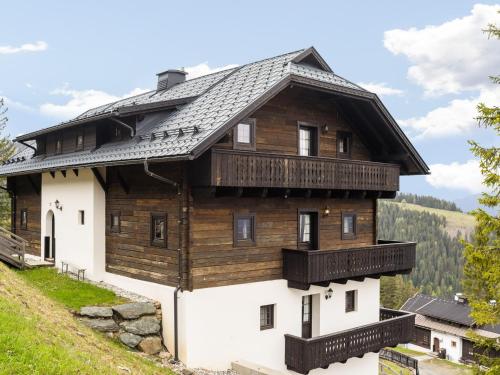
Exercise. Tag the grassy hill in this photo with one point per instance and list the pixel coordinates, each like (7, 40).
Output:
(455, 221)
(39, 336)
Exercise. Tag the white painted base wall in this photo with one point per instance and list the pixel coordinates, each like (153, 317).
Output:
(82, 245)
(445, 342)
(221, 325)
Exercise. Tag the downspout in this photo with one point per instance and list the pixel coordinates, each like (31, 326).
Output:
(179, 251)
(131, 128)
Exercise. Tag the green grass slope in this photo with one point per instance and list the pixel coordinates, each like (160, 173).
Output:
(39, 336)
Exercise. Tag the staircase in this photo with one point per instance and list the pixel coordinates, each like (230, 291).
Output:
(12, 248)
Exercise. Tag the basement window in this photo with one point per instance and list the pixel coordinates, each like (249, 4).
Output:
(24, 218)
(351, 300)
(244, 135)
(81, 217)
(348, 226)
(266, 317)
(244, 229)
(115, 222)
(159, 229)
(344, 141)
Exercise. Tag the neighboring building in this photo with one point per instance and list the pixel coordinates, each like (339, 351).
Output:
(443, 326)
(250, 194)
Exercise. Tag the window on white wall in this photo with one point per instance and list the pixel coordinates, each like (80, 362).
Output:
(266, 317)
(351, 300)
(81, 217)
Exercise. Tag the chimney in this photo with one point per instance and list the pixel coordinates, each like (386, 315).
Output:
(170, 78)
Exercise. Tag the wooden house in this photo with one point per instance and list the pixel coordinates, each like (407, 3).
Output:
(244, 200)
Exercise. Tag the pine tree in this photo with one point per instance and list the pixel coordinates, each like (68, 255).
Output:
(482, 254)
(6, 151)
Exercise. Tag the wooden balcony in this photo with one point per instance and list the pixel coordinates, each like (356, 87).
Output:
(304, 355)
(320, 267)
(230, 168)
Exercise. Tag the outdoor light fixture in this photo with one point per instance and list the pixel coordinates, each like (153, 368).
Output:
(325, 129)
(58, 205)
(326, 211)
(328, 293)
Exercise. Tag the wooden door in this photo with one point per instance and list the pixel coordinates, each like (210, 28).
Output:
(307, 317)
(435, 347)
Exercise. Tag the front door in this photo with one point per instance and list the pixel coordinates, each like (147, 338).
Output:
(435, 348)
(307, 317)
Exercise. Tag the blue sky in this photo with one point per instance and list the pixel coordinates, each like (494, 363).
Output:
(428, 60)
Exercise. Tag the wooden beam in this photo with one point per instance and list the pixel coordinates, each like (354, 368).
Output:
(75, 171)
(122, 181)
(264, 193)
(328, 194)
(287, 193)
(53, 174)
(308, 193)
(99, 179)
(239, 192)
(63, 172)
(35, 187)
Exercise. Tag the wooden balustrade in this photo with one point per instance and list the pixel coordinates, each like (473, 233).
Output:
(303, 355)
(231, 168)
(302, 268)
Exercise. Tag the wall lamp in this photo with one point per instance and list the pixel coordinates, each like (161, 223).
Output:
(326, 211)
(58, 205)
(325, 129)
(328, 293)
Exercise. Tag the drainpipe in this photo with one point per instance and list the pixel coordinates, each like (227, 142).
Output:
(131, 128)
(179, 251)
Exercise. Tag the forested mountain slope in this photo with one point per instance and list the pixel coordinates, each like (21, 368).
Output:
(439, 262)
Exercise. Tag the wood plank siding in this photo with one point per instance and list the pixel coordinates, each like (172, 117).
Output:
(130, 251)
(28, 198)
(277, 130)
(214, 259)
(68, 137)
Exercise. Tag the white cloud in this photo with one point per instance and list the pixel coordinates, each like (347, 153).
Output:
(28, 47)
(203, 69)
(80, 101)
(381, 88)
(450, 57)
(458, 117)
(466, 176)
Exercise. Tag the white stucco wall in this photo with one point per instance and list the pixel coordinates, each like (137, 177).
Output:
(452, 353)
(221, 325)
(81, 245)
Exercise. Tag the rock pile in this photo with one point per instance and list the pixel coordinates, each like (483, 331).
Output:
(137, 325)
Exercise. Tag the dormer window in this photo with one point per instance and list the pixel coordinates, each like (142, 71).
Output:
(58, 145)
(79, 141)
(344, 141)
(244, 135)
(308, 140)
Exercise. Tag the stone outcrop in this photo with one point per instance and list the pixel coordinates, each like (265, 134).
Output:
(137, 325)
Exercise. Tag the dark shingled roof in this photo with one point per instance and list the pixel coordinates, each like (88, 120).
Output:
(443, 309)
(198, 111)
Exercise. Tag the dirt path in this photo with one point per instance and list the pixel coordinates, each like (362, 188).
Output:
(439, 367)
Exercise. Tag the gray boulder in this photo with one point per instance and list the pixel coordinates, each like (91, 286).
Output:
(96, 312)
(150, 345)
(135, 310)
(103, 325)
(146, 325)
(130, 339)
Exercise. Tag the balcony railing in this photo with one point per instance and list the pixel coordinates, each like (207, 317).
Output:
(302, 268)
(304, 355)
(231, 168)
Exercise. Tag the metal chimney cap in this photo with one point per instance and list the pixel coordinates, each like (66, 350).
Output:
(178, 71)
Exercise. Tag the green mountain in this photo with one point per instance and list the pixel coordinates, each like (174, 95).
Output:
(438, 232)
